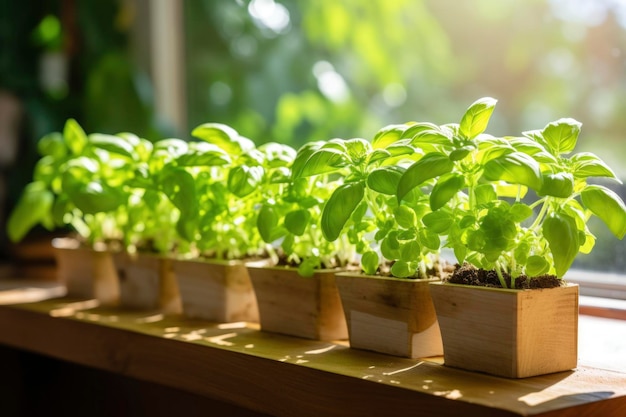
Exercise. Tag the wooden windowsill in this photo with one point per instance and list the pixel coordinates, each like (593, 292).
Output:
(285, 376)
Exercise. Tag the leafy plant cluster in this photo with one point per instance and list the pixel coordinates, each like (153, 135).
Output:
(219, 196)
(515, 204)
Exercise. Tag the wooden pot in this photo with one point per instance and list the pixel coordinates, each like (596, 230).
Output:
(510, 333)
(216, 290)
(390, 315)
(86, 272)
(147, 282)
(307, 307)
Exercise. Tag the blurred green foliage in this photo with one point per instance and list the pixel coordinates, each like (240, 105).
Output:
(264, 65)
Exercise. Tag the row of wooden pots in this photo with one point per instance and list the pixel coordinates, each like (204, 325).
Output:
(511, 333)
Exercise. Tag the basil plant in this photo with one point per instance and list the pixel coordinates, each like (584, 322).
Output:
(218, 185)
(516, 205)
(77, 183)
(291, 219)
(387, 232)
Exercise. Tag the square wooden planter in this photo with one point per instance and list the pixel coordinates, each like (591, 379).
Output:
(147, 282)
(510, 333)
(307, 307)
(215, 290)
(87, 273)
(390, 315)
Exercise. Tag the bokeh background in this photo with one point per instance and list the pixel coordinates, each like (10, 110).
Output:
(294, 70)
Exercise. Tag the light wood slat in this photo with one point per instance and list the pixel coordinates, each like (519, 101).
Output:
(285, 376)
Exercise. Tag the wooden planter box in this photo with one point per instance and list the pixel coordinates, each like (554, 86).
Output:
(510, 333)
(87, 273)
(147, 282)
(307, 307)
(390, 315)
(214, 290)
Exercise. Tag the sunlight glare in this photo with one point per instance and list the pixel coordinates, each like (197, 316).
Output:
(394, 95)
(330, 83)
(271, 15)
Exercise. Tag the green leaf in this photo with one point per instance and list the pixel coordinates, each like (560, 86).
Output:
(390, 248)
(172, 147)
(378, 155)
(467, 221)
(337, 144)
(402, 269)
(560, 184)
(358, 150)
(460, 153)
(52, 145)
(430, 134)
(533, 148)
(476, 118)
(485, 194)
(514, 168)
(339, 208)
(405, 216)
(243, 180)
(323, 161)
(385, 180)
(297, 221)
(410, 251)
(267, 222)
(521, 253)
(203, 154)
(429, 239)
(369, 262)
(460, 253)
(179, 186)
(359, 212)
(536, 265)
(186, 226)
(417, 129)
(302, 156)
(608, 206)
(401, 148)
(96, 197)
(223, 136)
(438, 221)
(75, 137)
(586, 165)
(308, 266)
(112, 144)
(33, 206)
(562, 235)
(447, 186)
(278, 154)
(387, 135)
(520, 212)
(561, 135)
(430, 166)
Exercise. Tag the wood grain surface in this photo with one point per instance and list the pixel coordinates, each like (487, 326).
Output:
(286, 376)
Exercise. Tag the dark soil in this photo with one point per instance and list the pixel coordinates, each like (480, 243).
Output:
(470, 275)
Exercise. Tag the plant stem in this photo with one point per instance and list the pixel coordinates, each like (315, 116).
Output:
(541, 215)
(500, 276)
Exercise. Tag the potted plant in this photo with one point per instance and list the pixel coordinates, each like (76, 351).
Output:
(515, 243)
(297, 293)
(152, 226)
(388, 307)
(221, 181)
(75, 184)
